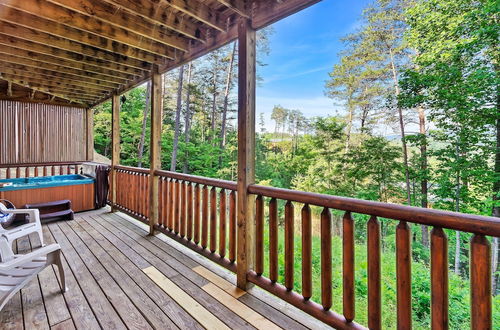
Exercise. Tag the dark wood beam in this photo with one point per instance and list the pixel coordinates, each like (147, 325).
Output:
(115, 146)
(63, 33)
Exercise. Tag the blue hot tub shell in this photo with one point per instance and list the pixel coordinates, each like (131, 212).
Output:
(45, 182)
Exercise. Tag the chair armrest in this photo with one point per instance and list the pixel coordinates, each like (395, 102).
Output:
(33, 213)
(19, 260)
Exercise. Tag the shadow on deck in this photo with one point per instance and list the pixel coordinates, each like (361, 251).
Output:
(119, 278)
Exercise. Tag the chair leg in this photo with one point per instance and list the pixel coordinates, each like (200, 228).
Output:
(62, 276)
(40, 234)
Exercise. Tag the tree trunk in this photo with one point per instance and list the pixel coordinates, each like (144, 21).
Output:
(140, 150)
(423, 169)
(496, 197)
(177, 120)
(187, 119)
(402, 127)
(229, 79)
(214, 106)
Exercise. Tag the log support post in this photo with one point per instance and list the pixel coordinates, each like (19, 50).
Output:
(115, 146)
(246, 150)
(90, 134)
(155, 143)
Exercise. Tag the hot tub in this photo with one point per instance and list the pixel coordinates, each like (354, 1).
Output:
(77, 188)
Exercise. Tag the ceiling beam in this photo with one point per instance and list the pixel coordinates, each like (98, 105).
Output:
(55, 75)
(48, 91)
(112, 14)
(63, 34)
(19, 56)
(66, 89)
(163, 15)
(238, 6)
(70, 58)
(197, 10)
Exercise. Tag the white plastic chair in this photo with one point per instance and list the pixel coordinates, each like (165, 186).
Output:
(16, 270)
(33, 226)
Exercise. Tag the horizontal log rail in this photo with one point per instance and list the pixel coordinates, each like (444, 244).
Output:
(39, 169)
(200, 213)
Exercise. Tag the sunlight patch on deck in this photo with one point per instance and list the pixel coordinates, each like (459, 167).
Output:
(219, 281)
(245, 312)
(197, 311)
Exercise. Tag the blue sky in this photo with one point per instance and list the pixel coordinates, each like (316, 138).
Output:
(304, 48)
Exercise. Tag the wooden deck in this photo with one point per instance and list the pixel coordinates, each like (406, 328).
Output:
(119, 278)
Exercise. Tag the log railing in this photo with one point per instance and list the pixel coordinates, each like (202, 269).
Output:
(480, 269)
(132, 191)
(201, 214)
(8, 171)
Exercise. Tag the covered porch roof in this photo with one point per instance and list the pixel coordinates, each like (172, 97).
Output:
(83, 52)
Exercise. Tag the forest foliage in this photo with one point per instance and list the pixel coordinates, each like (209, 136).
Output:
(427, 69)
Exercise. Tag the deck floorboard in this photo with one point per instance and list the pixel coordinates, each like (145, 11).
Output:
(109, 261)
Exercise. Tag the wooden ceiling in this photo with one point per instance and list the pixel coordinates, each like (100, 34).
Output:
(80, 52)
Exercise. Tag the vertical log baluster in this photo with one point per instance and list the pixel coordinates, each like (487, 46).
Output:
(44, 170)
(68, 169)
(326, 259)
(53, 170)
(439, 279)
(61, 170)
(7, 174)
(403, 275)
(480, 283)
(76, 169)
(213, 220)
(306, 252)
(259, 235)
(222, 223)
(183, 209)
(160, 201)
(171, 201)
(348, 266)
(137, 200)
(197, 213)
(273, 240)
(166, 205)
(189, 206)
(36, 171)
(289, 245)
(18, 172)
(374, 289)
(232, 226)
(204, 218)
(177, 206)
(26, 172)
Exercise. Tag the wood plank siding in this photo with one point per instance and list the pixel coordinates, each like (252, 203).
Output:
(41, 133)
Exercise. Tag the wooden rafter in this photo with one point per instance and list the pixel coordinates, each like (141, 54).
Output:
(48, 92)
(45, 39)
(238, 6)
(197, 10)
(111, 14)
(64, 33)
(14, 63)
(13, 55)
(160, 15)
(45, 53)
(30, 82)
